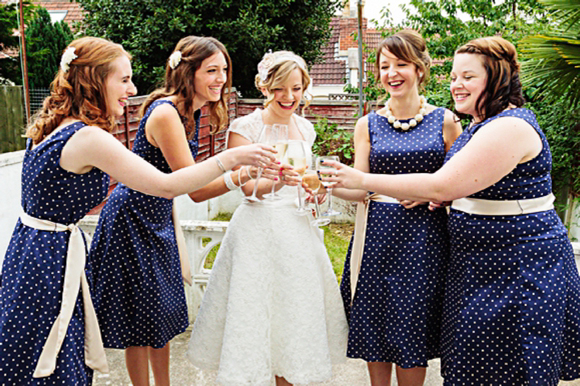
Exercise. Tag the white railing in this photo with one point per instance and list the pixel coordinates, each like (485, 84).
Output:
(200, 238)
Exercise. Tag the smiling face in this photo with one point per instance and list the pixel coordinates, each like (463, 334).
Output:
(398, 76)
(468, 82)
(210, 79)
(286, 95)
(119, 86)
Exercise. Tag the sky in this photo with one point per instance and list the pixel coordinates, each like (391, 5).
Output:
(373, 8)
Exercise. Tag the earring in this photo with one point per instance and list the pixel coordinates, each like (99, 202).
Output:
(420, 74)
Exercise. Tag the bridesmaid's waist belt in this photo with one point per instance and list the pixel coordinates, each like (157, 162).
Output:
(74, 279)
(360, 229)
(504, 208)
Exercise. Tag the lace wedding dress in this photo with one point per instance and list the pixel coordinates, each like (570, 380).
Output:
(272, 304)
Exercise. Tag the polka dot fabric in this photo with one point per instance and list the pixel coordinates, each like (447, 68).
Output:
(137, 285)
(512, 307)
(396, 313)
(34, 265)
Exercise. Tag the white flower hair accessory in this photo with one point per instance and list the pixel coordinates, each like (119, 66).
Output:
(67, 57)
(174, 59)
(270, 60)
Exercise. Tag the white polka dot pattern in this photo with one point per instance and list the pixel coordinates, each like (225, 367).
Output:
(396, 312)
(136, 275)
(33, 269)
(512, 306)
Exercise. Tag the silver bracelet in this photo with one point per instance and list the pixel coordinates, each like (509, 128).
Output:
(219, 163)
(240, 176)
(228, 180)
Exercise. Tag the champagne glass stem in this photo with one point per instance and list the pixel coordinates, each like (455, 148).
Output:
(253, 197)
(317, 206)
(300, 204)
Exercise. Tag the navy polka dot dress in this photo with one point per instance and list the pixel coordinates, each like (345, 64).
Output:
(137, 286)
(34, 266)
(396, 313)
(512, 307)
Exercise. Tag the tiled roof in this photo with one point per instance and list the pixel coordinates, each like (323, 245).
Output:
(74, 10)
(333, 70)
(330, 70)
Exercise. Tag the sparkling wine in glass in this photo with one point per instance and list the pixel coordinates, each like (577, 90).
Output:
(279, 140)
(296, 155)
(262, 138)
(319, 166)
(311, 180)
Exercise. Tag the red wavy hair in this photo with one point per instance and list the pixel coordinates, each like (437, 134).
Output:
(79, 92)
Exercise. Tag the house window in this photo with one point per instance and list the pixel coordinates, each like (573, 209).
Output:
(57, 16)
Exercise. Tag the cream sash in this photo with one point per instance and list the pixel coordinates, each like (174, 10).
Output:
(181, 248)
(74, 278)
(360, 229)
(504, 208)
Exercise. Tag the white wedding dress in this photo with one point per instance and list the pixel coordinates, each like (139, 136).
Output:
(272, 304)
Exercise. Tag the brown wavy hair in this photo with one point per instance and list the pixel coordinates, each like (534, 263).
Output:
(503, 86)
(79, 92)
(180, 82)
(407, 45)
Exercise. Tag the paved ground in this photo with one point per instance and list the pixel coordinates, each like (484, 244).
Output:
(353, 373)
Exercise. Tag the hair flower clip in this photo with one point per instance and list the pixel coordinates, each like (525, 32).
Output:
(264, 66)
(174, 59)
(67, 57)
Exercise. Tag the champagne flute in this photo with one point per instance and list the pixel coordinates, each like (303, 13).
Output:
(319, 166)
(296, 155)
(264, 134)
(311, 179)
(279, 140)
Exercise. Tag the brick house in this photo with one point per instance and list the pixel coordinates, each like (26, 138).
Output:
(339, 64)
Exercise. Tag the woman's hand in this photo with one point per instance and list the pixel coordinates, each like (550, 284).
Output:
(436, 205)
(408, 204)
(256, 154)
(321, 197)
(343, 176)
(289, 176)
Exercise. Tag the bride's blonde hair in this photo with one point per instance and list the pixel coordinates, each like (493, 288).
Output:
(275, 69)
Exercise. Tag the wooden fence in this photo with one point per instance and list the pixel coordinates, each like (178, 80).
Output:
(11, 119)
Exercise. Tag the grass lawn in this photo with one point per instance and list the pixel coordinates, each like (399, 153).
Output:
(336, 239)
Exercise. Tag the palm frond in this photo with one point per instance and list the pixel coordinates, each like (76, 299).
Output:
(568, 11)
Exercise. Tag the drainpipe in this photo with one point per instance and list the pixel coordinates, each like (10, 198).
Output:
(23, 63)
(361, 60)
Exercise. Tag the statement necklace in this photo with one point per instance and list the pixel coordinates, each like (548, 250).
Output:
(413, 122)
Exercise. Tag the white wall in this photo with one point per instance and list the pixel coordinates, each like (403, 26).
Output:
(10, 170)
(324, 90)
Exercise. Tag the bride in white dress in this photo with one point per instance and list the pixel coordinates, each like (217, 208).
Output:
(272, 305)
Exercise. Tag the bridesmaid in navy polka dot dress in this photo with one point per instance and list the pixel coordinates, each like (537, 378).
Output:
(135, 265)
(49, 335)
(395, 311)
(512, 303)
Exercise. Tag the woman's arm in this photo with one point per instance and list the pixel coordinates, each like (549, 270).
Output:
(93, 147)
(165, 130)
(451, 129)
(362, 150)
(494, 152)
